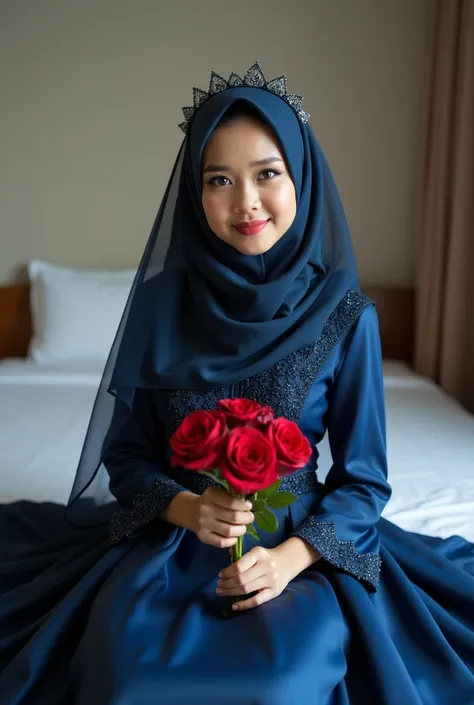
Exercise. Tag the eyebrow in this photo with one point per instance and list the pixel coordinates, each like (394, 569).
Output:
(223, 167)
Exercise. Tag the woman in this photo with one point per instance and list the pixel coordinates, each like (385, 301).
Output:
(257, 298)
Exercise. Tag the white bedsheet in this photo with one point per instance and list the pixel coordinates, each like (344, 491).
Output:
(44, 414)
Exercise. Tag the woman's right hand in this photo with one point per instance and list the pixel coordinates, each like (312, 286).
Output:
(220, 518)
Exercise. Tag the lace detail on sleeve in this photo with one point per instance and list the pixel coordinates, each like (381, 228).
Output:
(145, 508)
(321, 535)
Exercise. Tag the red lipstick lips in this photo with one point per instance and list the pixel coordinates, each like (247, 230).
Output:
(251, 227)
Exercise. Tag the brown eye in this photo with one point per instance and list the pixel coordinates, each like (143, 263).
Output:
(218, 181)
(268, 174)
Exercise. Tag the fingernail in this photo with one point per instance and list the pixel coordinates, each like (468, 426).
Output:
(252, 517)
(248, 505)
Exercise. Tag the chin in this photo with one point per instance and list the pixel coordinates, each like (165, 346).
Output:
(252, 245)
(251, 248)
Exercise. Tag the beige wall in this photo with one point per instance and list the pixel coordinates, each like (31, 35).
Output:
(91, 95)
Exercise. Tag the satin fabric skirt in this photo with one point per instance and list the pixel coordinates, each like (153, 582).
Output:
(139, 623)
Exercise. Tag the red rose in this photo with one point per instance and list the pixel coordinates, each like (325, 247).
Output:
(249, 461)
(244, 412)
(197, 443)
(292, 447)
(265, 416)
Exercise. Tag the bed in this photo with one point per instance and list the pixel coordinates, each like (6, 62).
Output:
(44, 411)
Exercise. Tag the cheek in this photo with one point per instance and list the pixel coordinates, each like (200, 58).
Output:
(213, 208)
(284, 203)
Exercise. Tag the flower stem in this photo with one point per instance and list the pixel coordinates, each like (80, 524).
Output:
(237, 552)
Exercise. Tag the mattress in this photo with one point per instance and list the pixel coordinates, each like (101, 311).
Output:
(44, 413)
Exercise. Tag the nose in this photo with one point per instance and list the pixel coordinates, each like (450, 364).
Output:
(247, 198)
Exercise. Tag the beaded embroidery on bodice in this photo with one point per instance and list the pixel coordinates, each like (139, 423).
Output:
(284, 387)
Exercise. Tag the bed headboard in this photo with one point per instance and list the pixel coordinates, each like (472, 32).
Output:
(15, 320)
(396, 312)
(395, 308)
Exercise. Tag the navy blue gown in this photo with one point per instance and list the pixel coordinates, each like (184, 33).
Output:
(127, 614)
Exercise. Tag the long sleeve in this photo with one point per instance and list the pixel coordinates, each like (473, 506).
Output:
(343, 530)
(135, 456)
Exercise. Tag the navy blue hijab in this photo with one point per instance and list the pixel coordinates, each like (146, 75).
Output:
(215, 316)
(201, 315)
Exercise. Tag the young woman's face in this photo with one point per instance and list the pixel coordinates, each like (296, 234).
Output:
(247, 194)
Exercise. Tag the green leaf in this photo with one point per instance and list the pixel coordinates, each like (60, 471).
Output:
(266, 520)
(219, 480)
(253, 532)
(281, 500)
(269, 491)
(258, 505)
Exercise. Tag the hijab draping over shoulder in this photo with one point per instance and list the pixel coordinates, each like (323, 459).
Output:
(200, 314)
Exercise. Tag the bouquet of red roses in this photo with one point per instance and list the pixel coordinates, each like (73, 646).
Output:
(245, 450)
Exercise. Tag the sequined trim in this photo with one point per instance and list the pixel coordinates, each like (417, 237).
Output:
(341, 554)
(286, 385)
(341, 319)
(298, 482)
(145, 508)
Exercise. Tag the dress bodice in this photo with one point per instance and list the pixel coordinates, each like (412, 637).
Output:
(286, 386)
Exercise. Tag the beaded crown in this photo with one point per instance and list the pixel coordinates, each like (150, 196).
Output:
(254, 78)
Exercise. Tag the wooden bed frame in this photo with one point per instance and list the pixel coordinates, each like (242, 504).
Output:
(395, 308)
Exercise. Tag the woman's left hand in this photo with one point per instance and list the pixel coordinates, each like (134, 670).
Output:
(264, 570)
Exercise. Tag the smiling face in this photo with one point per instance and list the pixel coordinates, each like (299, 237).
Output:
(248, 195)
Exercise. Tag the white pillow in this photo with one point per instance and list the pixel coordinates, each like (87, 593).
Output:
(75, 312)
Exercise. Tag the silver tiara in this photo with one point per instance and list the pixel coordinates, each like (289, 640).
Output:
(254, 78)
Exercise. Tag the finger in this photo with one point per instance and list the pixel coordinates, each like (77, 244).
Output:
(220, 541)
(248, 560)
(231, 516)
(257, 571)
(224, 499)
(226, 530)
(263, 596)
(258, 582)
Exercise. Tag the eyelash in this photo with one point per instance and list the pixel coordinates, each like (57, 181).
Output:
(212, 181)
